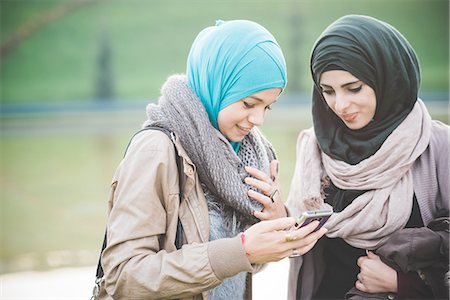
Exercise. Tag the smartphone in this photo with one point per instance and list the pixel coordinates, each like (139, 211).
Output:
(312, 215)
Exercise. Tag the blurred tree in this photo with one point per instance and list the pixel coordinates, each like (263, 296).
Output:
(295, 22)
(105, 82)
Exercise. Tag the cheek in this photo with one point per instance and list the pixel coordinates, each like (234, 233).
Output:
(372, 104)
(372, 111)
(226, 119)
(221, 121)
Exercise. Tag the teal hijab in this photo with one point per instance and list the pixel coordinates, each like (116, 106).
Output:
(231, 61)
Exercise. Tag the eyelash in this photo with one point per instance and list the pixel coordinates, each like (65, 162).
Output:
(353, 90)
(356, 89)
(249, 106)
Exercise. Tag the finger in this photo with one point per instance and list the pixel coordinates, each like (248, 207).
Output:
(306, 243)
(314, 236)
(305, 249)
(262, 215)
(321, 232)
(309, 239)
(289, 252)
(263, 199)
(259, 184)
(361, 260)
(258, 174)
(372, 255)
(274, 170)
(275, 225)
(360, 286)
(360, 277)
(305, 230)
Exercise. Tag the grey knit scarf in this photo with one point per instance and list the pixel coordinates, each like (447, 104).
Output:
(220, 169)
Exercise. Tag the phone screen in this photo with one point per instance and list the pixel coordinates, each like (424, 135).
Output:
(320, 215)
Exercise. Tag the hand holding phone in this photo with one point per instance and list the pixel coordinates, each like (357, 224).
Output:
(310, 216)
(321, 215)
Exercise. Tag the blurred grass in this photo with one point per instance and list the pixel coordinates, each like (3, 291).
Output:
(150, 40)
(54, 192)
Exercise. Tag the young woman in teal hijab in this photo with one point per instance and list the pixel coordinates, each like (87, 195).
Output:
(199, 228)
(376, 156)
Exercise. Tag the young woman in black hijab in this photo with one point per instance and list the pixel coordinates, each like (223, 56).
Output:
(378, 159)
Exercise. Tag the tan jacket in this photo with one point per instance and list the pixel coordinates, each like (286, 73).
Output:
(141, 260)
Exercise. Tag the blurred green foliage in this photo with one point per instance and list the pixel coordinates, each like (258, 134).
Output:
(151, 39)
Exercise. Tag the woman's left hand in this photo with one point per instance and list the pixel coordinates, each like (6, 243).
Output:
(375, 276)
(270, 197)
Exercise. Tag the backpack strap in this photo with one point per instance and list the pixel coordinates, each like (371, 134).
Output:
(179, 160)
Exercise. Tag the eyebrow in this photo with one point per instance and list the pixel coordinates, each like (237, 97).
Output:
(256, 98)
(344, 85)
(262, 100)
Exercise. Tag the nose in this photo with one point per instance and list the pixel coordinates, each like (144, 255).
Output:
(341, 103)
(257, 117)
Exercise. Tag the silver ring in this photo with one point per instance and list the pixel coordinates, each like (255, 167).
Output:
(272, 195)
(294, 253)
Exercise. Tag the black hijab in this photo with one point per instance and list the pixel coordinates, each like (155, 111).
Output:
(377, 54)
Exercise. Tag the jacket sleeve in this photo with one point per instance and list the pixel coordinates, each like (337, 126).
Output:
(412, 249)
(421, 251)
(136, 264)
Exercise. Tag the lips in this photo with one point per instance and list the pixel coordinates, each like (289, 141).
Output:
(349, 117)
(244, 130)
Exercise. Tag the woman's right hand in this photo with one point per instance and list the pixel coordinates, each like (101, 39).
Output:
(273, 240)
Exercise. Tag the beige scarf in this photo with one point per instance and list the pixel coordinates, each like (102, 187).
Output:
(386, 207)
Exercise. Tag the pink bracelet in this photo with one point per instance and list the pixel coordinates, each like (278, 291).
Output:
(243, 241)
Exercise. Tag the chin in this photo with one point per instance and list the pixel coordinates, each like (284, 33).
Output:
(236, 139)
(355, 126)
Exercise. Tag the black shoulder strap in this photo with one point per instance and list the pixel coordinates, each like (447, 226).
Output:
(178, 238)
